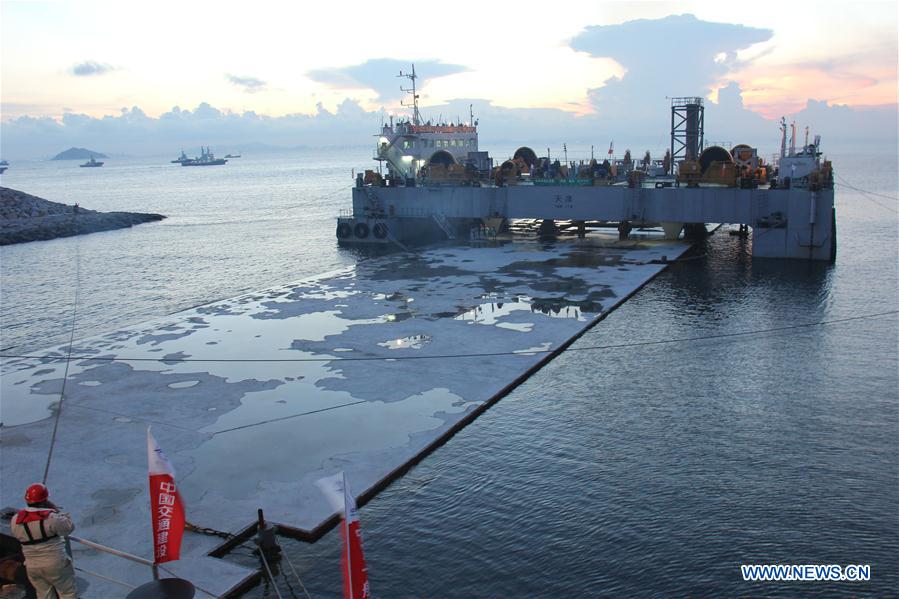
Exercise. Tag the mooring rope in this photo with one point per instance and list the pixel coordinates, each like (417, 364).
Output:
(65, 375)
(865, 194)
(715, 336)
(294, 570)
(269, 570)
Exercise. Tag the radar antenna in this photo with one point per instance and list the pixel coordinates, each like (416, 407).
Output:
(416, 116)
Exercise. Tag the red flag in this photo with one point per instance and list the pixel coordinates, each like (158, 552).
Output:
(166, 507)
(355, 573)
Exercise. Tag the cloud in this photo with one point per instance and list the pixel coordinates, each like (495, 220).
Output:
(858, 80)
(501, 129)
(249, 84)
(380, 75)
(131, 131)
(674, 48)
(11, 110)
(678, 55)
(90, 68)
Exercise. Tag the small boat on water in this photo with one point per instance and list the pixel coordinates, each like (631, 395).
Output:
(91, 163)
(181, 159)
(207, 158)
(4, 163)
(232, 155)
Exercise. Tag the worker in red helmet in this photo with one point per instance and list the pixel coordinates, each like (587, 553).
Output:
(41, 528)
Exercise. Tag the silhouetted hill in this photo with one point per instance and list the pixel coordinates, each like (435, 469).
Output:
(78, 154)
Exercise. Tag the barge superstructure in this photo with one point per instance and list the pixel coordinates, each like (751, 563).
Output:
(434, 183)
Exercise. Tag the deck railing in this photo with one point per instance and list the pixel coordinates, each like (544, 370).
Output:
(103, 548)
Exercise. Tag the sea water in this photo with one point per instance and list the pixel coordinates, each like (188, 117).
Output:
(658, 467)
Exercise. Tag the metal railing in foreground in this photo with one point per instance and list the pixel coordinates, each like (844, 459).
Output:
(118, 553)
(125, 555)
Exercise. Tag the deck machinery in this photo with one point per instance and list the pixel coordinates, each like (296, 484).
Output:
(438, 185)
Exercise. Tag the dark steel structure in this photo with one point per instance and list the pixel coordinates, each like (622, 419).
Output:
(687, 123)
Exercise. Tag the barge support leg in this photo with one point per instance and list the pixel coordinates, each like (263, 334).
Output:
(695, 231)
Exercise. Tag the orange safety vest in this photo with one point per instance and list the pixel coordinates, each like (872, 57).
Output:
(25, 517)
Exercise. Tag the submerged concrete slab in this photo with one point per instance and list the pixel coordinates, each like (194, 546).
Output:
(254, 398)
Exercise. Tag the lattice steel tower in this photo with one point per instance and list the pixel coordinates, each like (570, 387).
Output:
(687, 122)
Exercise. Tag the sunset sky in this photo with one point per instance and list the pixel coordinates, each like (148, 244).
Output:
(96, 57)
(582, 58)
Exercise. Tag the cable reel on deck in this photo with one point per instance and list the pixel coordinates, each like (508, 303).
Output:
(526, 155)
(713, 154)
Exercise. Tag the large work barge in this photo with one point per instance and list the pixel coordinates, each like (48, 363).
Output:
(434, 183)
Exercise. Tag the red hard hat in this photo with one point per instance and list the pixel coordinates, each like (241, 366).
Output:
(36, 493)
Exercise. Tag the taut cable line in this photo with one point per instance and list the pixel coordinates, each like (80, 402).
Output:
(528, 352)
(65, 376)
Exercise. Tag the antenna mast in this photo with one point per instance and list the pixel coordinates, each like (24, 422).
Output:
(783, 137)
(793, 138)
(416, 116)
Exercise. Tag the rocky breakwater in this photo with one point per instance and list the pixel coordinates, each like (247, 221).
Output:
(24, 217)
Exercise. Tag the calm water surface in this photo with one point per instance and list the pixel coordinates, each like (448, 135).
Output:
(651, 470)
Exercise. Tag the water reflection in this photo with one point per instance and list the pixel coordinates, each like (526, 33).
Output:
(489, 313)
(411, 342)
(726, 277)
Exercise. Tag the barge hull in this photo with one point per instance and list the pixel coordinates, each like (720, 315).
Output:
(787, 223)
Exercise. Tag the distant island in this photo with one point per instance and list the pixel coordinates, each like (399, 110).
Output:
(24, 217)
(78, 154)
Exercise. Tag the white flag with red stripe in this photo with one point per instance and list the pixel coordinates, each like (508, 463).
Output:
(355, 573)
(166, 507)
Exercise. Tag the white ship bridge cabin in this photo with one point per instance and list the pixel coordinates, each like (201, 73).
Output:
(413, 150)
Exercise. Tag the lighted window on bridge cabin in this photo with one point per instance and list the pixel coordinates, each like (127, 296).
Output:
(407, 144)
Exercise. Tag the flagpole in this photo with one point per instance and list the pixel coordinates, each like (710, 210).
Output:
(155, 566)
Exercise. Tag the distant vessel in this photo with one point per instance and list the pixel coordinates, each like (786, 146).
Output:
(91, 163)
(181, 159)
(4, 163)
(207, 158)
(232, 155)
